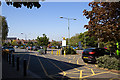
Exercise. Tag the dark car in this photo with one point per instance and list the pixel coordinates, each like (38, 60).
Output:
(11, 49)
(35, 48)
(91, 54)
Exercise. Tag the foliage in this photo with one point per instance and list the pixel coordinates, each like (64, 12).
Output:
(30, 43)
(17, 4)
(108, 62)
(54, 43)
(4, 26)
(69, 51)
(42, 41)
(14, 43)
(104, 20)
(74, 40)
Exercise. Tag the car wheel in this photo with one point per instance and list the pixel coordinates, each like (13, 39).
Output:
(85, 61)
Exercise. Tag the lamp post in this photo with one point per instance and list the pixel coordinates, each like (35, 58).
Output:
(25, 36)
(68, 28)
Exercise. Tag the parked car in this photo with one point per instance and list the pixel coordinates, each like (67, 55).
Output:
(11, 49)
(35, 48)
(8, 49)
(5, 50)
(90, 54)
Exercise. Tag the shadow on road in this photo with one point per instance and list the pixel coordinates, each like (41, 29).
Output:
(45, 67)
(24, 52)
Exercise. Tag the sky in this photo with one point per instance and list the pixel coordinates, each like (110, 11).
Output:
(46, 20)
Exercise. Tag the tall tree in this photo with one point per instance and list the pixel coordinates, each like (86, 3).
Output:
(104, 20)
(3, 27)
(42, 41)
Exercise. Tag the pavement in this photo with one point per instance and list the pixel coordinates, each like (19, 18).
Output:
(56, 67)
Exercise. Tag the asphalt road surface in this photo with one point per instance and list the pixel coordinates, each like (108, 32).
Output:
(62, 66)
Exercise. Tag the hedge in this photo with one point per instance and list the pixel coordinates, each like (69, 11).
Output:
(110, 62)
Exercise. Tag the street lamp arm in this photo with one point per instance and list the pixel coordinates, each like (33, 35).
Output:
(68, 18)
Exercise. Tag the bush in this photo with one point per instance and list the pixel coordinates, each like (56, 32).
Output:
(53, 48)
(109, 62)
(70, 51)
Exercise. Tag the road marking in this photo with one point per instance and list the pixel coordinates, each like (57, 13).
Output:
(80, 73)
(92, 72)
(95, 74)
(77, 61)
(64, 73)
(28, 62)
(43, 67)
(71, 66)
(22, 56)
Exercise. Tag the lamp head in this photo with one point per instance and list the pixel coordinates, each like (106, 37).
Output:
(61, 17)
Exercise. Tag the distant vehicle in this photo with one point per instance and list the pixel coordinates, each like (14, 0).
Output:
(41, 51)
(8, 49)
(11, 49)
(30, 48)
(16, 46)
(90, 54)
(5, 50)
(74, 47)
(35, 48)
(21, 47)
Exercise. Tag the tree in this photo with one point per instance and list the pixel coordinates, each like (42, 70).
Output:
(104, 20)
(4, 27)
(42, 41)
(21, 3)
(74, 40)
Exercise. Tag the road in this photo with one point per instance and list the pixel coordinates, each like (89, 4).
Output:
(61, 66)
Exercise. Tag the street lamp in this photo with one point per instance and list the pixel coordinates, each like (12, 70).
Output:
(25, 36)
(68, 29)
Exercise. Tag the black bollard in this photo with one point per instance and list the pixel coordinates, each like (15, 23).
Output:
(25, 67)
(13, 61)
(9, 58)
(17, 63)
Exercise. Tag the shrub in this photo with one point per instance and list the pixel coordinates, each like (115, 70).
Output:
(53, 48)
(70, 51)
(109, 62)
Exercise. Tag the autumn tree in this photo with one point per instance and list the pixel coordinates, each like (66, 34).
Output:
(104, 20)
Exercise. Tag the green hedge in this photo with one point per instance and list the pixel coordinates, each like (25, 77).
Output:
(70, 51)
(110, 62)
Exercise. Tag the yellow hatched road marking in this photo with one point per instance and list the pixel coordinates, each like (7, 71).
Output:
(57, 66)
(80, 73)
(95, 74)
(92, 72)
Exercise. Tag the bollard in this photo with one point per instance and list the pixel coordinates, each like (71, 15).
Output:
(17, 63)
(25, 67)
(59, 52)
(13, 61)
(9, 58)
(52, 52)
(64, 53)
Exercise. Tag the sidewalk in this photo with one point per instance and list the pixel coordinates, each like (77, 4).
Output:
(9, 72)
